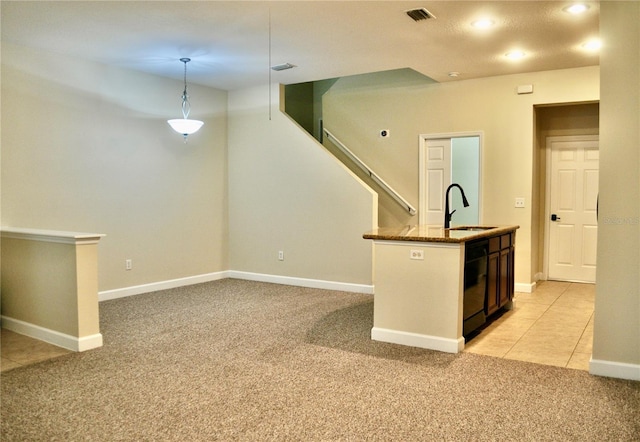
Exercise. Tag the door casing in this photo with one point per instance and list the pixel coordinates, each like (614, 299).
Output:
(423, 193)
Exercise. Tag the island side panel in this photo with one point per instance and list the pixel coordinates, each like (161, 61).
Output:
(418, 302)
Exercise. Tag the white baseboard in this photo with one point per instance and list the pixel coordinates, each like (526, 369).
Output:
(190, 280)
(417, 340)
(160, 285)
(524, 287)
(613, 369)
(303, 282)
(63, 340)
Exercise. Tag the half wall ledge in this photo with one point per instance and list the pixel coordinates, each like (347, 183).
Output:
(49, 286)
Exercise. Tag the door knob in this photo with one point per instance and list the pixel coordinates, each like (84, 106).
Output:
(555, 217)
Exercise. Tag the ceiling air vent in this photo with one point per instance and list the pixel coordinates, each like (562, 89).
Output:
(420, 14)
(283, 67)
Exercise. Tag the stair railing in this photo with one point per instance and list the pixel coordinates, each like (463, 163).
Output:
(358, 162)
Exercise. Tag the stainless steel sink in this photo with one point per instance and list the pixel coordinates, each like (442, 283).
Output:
(472, 228)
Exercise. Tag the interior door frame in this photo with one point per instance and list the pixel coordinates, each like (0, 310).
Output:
(547, 199)
(422, 157)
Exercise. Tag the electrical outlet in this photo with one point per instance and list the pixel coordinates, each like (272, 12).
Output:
(519, 202)
(416, 254)
(280, 255)
(128, 264)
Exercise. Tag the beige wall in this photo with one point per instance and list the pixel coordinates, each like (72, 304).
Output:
(287, 193)
(355, 114)
(617, 318)
(40, 286)
(86, 147)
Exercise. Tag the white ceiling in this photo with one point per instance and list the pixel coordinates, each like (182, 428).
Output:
(233, 43)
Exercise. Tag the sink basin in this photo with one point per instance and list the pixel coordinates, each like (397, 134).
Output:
(472, 228)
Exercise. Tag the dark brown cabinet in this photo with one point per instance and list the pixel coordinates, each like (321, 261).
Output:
(488, 278)
(500, 278)
(493, 270)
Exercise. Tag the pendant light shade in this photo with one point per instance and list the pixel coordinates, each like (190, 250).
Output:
(184, 125)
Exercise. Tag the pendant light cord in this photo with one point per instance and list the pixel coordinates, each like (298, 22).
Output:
(186, 106)
(269, 63)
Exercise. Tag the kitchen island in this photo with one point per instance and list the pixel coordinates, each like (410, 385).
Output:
(434, 285)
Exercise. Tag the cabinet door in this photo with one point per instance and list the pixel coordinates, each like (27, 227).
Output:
(504, 293)
(512, 270)
(493, 285)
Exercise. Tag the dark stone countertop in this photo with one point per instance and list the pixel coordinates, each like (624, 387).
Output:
(436, 233)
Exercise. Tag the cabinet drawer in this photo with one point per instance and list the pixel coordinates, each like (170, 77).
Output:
(505, 241)
(494, 244)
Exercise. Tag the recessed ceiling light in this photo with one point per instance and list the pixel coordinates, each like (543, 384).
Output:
(483, 23)
(515, 55)
(576, 8)
(453, 74)
(592, 45)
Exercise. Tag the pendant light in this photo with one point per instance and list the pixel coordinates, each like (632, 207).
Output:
(184, 125)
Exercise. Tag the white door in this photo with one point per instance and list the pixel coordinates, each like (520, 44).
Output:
(572, 217)
(437, 176)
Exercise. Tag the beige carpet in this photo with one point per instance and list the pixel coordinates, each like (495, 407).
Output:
(239, 360)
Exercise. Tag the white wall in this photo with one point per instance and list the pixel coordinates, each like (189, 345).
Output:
(616, 340)
(356, 113)
(86, 147)
(286, 193)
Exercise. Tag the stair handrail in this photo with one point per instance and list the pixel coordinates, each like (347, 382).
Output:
(366, 169)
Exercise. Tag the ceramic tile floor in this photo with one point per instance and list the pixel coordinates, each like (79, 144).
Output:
(551, 326)
(18, 350)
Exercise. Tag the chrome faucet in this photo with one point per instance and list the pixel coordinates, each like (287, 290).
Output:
(447, 215)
